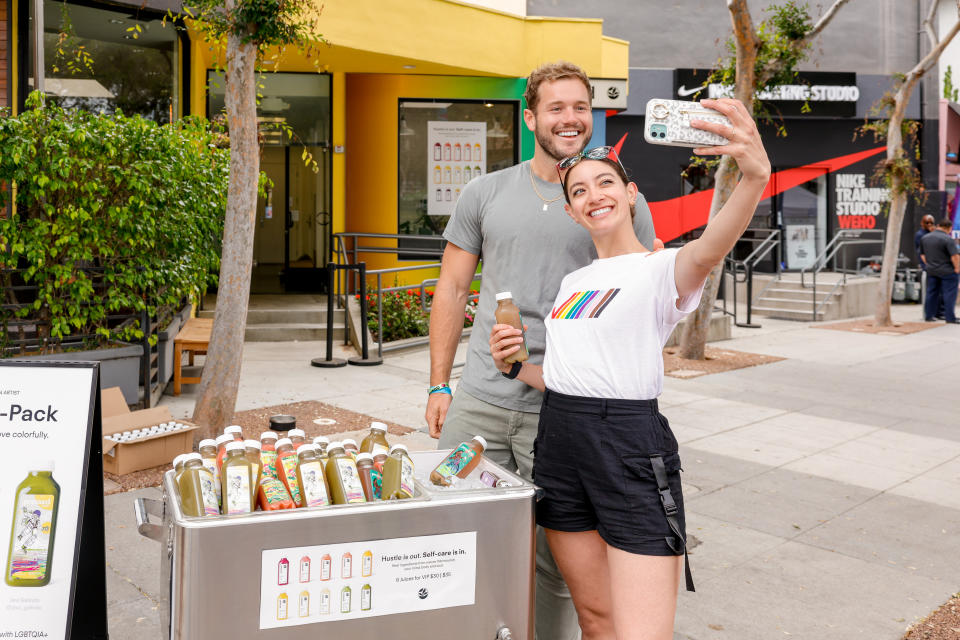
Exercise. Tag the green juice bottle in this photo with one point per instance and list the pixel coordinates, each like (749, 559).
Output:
(398, 474)
(34, 527)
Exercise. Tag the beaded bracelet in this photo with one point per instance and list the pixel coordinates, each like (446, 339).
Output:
(443, 387)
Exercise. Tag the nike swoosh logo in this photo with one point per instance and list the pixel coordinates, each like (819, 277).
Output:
(683, 92)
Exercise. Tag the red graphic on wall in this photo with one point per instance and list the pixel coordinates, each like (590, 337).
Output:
(676, 216)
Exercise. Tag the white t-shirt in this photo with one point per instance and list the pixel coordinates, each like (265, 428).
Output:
(606, 332)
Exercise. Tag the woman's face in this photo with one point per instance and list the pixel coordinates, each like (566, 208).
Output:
(599, 200)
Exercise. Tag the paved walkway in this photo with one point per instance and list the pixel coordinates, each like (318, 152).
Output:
(823, 491)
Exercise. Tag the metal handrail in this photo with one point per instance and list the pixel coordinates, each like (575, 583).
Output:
(841, 239)
(747, 265)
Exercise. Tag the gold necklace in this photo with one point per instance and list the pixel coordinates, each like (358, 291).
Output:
(533, 183)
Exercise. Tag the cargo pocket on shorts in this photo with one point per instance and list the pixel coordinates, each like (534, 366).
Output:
(642, 495)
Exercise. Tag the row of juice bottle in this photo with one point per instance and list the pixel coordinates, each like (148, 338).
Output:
(231, 475)
(346, 602)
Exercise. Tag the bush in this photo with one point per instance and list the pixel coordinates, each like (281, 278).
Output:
(113, 215)
(403, 315)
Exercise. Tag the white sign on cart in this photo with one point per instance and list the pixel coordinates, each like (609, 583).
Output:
(352, 580)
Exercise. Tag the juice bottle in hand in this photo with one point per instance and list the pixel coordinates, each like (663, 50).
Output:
(508, 313)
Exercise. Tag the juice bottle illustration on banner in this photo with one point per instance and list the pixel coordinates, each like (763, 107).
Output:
(476, 152)
(365, 598)
(460, 462)
(466, 152)
(342, 476)
(436, 151)
(437, 179)
(346, 566)
(310, 477)
(446, 174)
(346, 595)
(282, 603)
(467, 175)
(268, 454)
(376, 440)
(456, 152)
(235, 481)
(446, 151)
(34, 527)
(208, 454)
(326, 567)
(198, 496)
(325, 602)
(283, 572)
(457, 175)
(304, 609)
(477, 171)
(305, 569)
(367, 564)
(287, 469)
(398, 474)
(439, 195)
(448, 195)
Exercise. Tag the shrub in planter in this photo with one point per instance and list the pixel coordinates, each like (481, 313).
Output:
(403, 316)
(113, 215)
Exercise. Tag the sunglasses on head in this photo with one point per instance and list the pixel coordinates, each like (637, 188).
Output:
(597, 153)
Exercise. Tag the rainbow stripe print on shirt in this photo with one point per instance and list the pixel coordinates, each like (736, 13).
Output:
(584, 304)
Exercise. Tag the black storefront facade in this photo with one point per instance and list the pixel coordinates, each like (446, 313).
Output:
(822, 171)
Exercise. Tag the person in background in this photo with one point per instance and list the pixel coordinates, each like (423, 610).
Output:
(927, 224)
(942, 263)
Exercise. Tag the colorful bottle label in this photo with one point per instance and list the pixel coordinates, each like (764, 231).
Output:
(282, 607)
(288, 463)
(305, 569)
(406, 475)
(283, 571)
(367, 568)
(314, 486)
(376, 480)
(210, 464)
(325, 602)
(211, 503)
(350, 477)
(326, 567)
(365, 599)
(273, 490)
(304, 604)
(268, 460)
(456, 461)
(345, 600)
(237, 491)
(31, 537)
(347, 566)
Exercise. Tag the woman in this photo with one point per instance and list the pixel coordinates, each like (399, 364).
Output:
(605, 456)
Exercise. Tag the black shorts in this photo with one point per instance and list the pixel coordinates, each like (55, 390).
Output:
(592, 460)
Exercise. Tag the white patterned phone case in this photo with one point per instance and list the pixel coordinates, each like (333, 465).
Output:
(667, 122)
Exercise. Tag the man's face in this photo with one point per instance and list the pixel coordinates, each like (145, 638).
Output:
(928, 223)
(563, 121)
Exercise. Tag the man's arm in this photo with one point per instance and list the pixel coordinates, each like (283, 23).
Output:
(955, 259)
(446, 326)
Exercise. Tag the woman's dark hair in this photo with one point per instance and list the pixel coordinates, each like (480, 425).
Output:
(617, 168)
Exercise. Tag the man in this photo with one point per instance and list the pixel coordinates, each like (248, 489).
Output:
(942, 262)
(515, 219)
(927, 225)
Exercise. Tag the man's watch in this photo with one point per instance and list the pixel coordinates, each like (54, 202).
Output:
(514, 371)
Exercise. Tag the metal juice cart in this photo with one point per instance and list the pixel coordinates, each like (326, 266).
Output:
(446, 562)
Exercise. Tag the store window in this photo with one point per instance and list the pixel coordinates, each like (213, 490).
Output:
(443, 145)
(104, 60)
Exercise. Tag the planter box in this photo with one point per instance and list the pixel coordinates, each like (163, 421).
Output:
(119, 367)
(165, 348)
(185, 313)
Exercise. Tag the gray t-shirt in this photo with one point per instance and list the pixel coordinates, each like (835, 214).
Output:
(937, 247)
(526, 251)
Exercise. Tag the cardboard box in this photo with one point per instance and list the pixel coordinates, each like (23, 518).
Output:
(145, 452)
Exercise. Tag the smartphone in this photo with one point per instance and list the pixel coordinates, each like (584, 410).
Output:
(667, 122)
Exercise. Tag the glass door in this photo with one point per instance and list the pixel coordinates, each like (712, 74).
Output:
(803, 218)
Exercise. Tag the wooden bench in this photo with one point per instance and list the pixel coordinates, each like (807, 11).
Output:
(194, 338)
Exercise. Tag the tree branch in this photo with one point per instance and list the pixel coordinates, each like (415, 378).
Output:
(825, 20)
(931, 58)
(927, 23)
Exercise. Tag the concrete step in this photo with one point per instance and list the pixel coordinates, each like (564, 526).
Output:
(290, 332)
(285, 316)
(790, 304)
(777, 292)
(787, 314)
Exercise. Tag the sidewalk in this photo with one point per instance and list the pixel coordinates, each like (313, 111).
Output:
(822, 491)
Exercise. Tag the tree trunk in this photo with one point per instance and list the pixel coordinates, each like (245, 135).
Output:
(221, 369)
(693, 340)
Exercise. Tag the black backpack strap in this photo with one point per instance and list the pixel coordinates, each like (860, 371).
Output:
(678, 541)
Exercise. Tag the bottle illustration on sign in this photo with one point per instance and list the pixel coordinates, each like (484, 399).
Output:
(439, 195)
(305, 569)
(477, 171)
(304, 609)
(346, 566)
(282, 603)
(446, 174)
(345, 600)
(365, 599)
(325, 602)
(436, 174)
(326, 566)
(476, 152)
(446, 151)
(466, 152)
(283, 572)
(367, 566)
(448, 195)
(456, 152)
(457, 175)
(467, 174)
(33, 529)
(456, 194)
(436, 151)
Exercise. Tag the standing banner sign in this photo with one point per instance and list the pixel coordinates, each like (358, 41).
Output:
(51, 501)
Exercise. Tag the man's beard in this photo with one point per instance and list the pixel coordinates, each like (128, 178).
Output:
(546, 142)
